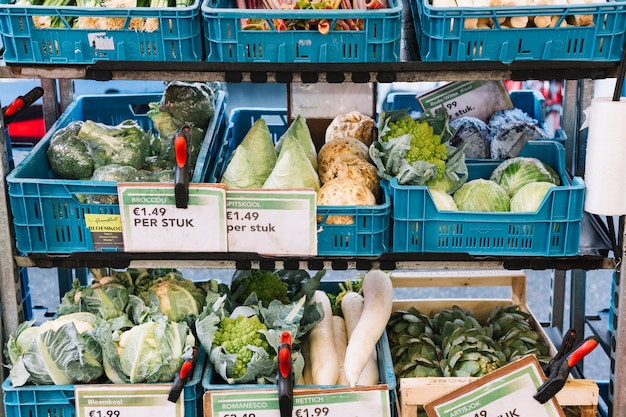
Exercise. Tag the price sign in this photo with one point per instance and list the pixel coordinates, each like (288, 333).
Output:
(129, 400)
(275, 222)
(479, 99)
(505, 392)
(333, 402)
(151, 221)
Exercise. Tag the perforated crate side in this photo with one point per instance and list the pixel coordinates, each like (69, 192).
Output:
(441, 35)
(227, 41)
(177, 38)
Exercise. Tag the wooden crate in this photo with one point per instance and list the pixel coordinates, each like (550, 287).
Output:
(415, 392)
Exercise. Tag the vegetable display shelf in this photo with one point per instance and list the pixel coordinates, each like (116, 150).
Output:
(367, 235)
(175, 34)
(553, 230)
(445, 33)
(58, 400)
(49, 213)
(378, 40)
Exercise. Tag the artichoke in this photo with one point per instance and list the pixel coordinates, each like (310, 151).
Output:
(467, 351)
(510, 327)
(413, 349)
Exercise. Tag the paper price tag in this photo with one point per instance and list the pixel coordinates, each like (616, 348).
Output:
(276, 222)
(334, 402)
(151, 221)
(505, 392)
(479, 99)
(131, 400)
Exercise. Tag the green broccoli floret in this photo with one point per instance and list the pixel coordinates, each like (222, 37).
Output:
(69, 156)
(235, 335)
(125, 144)
(267, 286)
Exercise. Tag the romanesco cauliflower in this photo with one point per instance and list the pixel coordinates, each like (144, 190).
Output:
(425, 145)
(235, 335)
(267, 285)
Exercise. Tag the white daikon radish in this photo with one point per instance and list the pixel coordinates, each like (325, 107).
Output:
(305, 349)
(324, 359)
(377, 305)
(341, 343)
(352, 305)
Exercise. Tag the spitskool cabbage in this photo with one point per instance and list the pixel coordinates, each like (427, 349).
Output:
(61, 351)
(252, 160)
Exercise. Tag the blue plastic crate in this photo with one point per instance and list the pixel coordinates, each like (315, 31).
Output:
(211, 380)
(554, 230)
(48, 215)
(178, 37)
(58, 400)
(441, 35)
(227, 41)
(367, 236)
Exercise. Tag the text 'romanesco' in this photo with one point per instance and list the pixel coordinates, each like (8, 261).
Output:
(425, 145)
(235, 335)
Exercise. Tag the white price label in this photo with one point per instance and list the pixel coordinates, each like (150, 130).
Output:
(152, 222)
(131, 400)
(479, 99)
(334, 402)
(507, 391)
(276, 222)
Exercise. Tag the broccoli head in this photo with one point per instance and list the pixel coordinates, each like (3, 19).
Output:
(165, 175)
(124, 144)
(111, 172)
(116, 173)
(68, 155)
(189, 103)
(267, 285)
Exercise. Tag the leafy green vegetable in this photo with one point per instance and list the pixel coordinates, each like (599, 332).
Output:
(69, 156)
(412, 150)
(191, 103)
(299, 130)
(296, 317)
(252, 161)
(107, 299)
(60, 351)
(125, 144)
(266, 285)
(176, 297)
(443, 200)
(514, 173)
(530, 196)
(152, 351)
(293, 169)
(481, 195)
